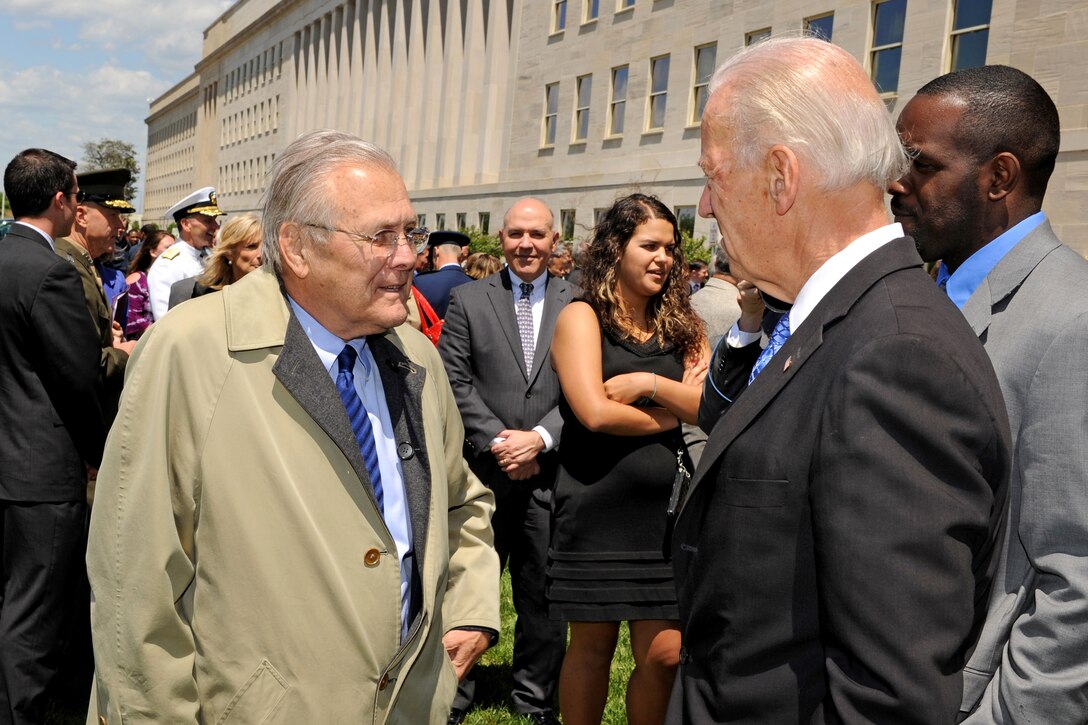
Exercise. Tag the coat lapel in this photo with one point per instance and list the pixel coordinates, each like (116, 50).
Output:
(804, 341)
(555, 298)
(300, 371)
(402, 381)
(502, 301)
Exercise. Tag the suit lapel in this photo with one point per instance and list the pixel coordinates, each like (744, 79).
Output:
(502, 301)
(557, 295)
(800, 347)
(1008, 274)
(402, 381)
(300, 371)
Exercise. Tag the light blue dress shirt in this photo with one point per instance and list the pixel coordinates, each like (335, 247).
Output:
(962, 283)
(368, 386)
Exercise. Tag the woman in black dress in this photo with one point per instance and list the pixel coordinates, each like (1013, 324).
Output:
(630, 356)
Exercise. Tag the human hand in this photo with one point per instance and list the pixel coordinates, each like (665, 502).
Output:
(695, 373)
(751, 307)
(629, 387)
(464, 647)
(522, 471)
(118, 333)
(519, 448)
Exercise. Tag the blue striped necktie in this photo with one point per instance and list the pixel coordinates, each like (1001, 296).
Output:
(779, 335)
(360, 421)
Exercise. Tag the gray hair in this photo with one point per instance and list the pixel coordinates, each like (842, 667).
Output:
(783, 94)
(719, 264)
(296, 184)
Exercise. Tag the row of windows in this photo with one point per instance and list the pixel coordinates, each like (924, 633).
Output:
(254, 73)
(259, 119)
(177, 130)
(483, 221)
(165, 197)
(591, 10)
(244, 177)
(164, 163)
(969, 36)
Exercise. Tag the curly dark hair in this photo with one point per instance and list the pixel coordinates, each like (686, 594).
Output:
(670, 314)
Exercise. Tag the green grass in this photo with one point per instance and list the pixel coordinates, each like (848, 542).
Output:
(493, 676)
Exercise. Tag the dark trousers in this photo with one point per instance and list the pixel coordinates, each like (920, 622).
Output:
(521, 524)
(41, 554)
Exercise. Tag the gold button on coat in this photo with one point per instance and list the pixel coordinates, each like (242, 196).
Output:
(372, 557)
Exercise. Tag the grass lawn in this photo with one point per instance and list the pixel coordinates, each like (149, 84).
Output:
(493, 675)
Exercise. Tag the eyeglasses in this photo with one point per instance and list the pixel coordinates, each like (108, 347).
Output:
(383, 243)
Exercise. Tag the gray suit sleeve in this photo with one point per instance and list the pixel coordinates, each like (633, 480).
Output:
(1043, 673)
(455, 347)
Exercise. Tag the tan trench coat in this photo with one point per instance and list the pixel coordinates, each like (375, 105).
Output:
(240, 569)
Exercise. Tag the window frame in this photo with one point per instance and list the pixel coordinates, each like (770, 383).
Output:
(613, 102)
(955, 34)
(559, 16)
(889, 97)
(576, 125)
(652, 95)
(549, 121)
(695, 115)
(821, 16)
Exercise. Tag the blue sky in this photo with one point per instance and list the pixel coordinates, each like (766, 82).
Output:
(73, 71)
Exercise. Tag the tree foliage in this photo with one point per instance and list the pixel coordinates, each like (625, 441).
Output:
(110, 153)
(695, 248)
(480, 242)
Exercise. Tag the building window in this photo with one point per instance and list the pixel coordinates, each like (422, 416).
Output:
(485, 222)
(618, 103)
(421, 220)
(685, 219)
(624, 5)
(581, 107)
(705, 59)
(820, 26)
(659, 88)
(756, 36)
(462, 221)
(551, 113)
(440, 221)
(592, 10)
(888, 17)
(598, 214)
(559, 15)
(970, 33)
(566, 221)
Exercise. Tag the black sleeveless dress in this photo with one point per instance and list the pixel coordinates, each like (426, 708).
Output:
(605, 562)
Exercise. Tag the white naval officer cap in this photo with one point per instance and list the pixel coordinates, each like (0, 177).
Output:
(201, 201)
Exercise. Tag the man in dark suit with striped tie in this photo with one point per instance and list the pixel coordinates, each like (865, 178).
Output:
(495, 348)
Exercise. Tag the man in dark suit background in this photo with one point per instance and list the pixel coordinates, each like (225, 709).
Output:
(835, 550)
(52, 427)
(984, 142)
(436, 286)
(495, 347)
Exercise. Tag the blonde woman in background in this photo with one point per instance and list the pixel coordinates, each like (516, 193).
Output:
(237, 253)
(482, 264)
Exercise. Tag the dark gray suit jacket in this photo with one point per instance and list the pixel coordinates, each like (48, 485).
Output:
(481, 349)
(50, 411)
(1031, 313)
(834, 555)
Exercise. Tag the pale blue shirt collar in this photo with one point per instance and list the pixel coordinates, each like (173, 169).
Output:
(836, 267)
(962, 283)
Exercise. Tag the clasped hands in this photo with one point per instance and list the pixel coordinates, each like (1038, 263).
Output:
(517, 454)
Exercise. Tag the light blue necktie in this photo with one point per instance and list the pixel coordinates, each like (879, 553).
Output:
(779, 335)
(360, 421)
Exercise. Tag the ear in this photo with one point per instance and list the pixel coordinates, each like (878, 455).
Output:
(1003, 175)
(555, 239)
(81, 215)
(783, 174)
(294, 250)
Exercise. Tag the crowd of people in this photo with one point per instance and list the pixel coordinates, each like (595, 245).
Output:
(819, 481)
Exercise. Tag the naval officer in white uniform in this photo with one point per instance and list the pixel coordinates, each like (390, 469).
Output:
(195, 216)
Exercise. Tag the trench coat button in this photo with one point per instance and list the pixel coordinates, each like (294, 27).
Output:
(405, 451)
(101, 720)
(372, 557)
(384, 682)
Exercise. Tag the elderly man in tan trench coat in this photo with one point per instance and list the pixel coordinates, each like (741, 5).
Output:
(246, 565)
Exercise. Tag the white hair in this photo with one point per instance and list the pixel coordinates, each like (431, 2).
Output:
(798, 92)
(296, 184)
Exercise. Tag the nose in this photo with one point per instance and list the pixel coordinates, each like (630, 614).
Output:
(705, 210)
(404, 255)
(899, 186)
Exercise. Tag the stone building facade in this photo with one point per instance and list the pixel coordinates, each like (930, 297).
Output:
(575, 101)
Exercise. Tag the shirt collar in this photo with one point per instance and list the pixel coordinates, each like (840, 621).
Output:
(836, 267)
(48, 238)
(327, 345)
(962, 283)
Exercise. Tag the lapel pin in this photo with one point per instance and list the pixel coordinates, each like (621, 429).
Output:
(789, 361)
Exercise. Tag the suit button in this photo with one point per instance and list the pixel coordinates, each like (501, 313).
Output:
(384, 682)
(372, 557)
(528, 394)
(684, 656)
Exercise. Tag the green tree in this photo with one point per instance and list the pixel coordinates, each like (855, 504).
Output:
(480, 242)
(110, 153)
(695, 248)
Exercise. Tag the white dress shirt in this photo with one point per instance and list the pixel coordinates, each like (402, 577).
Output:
(52, 244)
(536, 302)
(368, 386)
